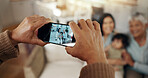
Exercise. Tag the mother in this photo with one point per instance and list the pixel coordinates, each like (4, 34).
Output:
(107, 25)
(138, 49)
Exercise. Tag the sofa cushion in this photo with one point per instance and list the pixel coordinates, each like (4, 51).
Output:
(35, 63)
(62, 69)
(56, 53)
(60, 64)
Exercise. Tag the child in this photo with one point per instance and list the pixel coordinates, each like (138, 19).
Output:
(114, 53)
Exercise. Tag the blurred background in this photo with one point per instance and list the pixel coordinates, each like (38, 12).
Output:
(12, 12)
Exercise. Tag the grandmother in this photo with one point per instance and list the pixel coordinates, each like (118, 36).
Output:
(137, 56)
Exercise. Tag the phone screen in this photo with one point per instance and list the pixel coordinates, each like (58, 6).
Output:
(56, 33)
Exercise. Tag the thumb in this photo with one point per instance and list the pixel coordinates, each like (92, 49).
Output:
(69, 50)
(40, 42)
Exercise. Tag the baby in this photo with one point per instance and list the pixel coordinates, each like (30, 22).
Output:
(114, 53)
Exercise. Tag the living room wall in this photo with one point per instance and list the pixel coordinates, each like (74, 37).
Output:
(6, 16)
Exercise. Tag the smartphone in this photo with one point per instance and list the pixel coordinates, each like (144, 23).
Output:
(56, 33)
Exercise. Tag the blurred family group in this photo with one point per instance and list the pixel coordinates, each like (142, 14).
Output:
(127, 53)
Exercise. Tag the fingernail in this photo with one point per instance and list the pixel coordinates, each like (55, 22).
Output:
(71, 23)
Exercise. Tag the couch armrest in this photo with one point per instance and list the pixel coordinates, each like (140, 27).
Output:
(35, 63)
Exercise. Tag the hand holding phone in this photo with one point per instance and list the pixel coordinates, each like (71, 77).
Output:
(89, 43)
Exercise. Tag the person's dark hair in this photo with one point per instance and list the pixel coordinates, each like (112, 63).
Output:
(101, 19)
(123, 37)
(61, 32)
(66, 30)
(58, 29)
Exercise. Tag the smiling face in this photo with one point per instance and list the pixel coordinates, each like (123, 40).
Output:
(117, 43)
(137, 28)
(108, 25)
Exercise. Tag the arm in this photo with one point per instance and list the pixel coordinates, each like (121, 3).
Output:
(141, 67)
(89, 48)
(8, 48)
(138, 66)
(97, 70)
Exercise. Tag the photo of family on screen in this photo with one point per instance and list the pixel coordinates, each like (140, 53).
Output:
(60, 34)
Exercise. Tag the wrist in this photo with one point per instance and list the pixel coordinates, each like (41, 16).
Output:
(97, 59)
(13, 41)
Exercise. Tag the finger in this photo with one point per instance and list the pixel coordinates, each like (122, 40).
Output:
(39, 18)
(46, 22)
(69, 50)
(90, 24)
(35, 15)
(33, 20)
(97, 28)
(83, 24)
(49, 20)
(124, 53)
(75, 28)
(40, 42)
(96, 25)
(43, 18)
(39, 24)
